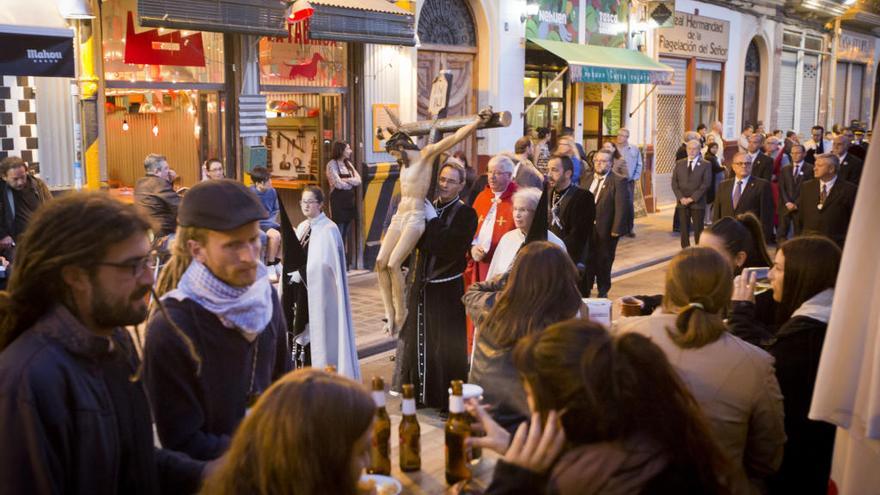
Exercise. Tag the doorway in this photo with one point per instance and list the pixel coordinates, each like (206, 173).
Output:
(751, 85)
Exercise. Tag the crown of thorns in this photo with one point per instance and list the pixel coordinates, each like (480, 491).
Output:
(402, 140)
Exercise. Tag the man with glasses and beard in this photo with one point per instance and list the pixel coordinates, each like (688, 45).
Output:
(73, 414)
(223, 301)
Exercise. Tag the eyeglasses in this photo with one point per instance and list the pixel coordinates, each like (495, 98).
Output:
(309, 202)
(138, 266)
(444, 180)
(523, 210)
(496, 173)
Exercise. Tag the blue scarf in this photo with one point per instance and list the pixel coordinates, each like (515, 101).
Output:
(248, 309)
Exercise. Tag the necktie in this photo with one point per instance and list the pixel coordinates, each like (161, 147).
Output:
(797, 171)
(737, 193)
(823, 194)
(598, 188)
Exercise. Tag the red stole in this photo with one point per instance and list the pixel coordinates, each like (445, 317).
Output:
(476, 270)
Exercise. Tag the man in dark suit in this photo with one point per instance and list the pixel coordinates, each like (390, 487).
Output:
(855, 147)
(762, 165)
(790, 180)
(743, 193)
(610, 191)
(572, 210)
(690, 182)
(817, 145)
(826, 202)
(850, 168)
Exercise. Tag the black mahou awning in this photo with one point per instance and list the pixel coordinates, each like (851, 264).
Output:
(37, 51)
(257, 17)
(364, 21)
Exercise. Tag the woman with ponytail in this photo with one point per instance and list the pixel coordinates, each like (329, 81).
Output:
(615, 416)
(733, 381)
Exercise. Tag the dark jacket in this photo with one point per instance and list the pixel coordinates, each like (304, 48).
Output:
(611, 206)
(851, 169)
(832, 220)
(34, 194)
(577, 213)
(757, 198)
(790, 186)
(694, 184)
(156, 196)
(797, 346)
(762, 167)
(72, 421)
(197, 413)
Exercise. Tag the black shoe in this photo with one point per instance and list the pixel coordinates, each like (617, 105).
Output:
(631, 234)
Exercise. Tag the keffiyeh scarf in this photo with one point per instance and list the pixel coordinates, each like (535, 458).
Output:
(248, 309)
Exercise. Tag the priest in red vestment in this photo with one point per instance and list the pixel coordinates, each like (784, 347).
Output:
(494, 207)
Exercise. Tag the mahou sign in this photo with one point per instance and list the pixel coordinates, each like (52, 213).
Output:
(695, 36)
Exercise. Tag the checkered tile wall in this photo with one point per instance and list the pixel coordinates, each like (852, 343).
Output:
(18, 119)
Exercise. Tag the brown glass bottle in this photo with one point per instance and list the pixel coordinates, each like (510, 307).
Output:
(380, 449)
(458, 429)
(410, 433)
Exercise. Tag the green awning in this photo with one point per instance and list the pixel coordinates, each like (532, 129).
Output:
(602, 64)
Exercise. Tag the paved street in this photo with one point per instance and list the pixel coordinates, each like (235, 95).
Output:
(653, 244)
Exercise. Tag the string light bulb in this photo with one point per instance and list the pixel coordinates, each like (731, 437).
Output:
(156, 130)
(124, 124)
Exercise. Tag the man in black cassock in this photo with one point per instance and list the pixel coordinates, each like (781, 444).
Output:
(432, 346)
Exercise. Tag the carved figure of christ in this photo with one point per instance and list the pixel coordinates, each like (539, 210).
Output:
(408, 223)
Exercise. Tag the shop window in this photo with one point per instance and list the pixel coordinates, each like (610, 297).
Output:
(297, 60)
(185, 126)
(549, 111)
(156, 55)
(707, 93)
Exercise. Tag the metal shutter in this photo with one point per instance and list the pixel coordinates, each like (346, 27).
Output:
(809, 93)
(679, 80)
(787, 83)
(855, 93)
(840, 94)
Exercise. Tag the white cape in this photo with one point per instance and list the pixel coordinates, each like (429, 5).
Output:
(330, 327)
(847, 391)
(508, 246)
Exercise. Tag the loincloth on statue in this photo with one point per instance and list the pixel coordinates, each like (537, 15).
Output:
(412, 218)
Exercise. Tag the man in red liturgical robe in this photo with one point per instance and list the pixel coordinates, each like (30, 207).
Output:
(494, 207)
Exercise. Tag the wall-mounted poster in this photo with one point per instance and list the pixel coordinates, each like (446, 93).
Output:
(556, 20)
(605, 22)
(293, 149)
(381, 120)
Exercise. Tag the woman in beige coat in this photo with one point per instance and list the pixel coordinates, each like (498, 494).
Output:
(732, 380)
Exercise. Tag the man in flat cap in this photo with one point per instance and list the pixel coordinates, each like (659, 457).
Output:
(217, 294)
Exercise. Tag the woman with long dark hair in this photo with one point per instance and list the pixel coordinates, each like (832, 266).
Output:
(344, 181)
(803, 278)
(732, 380)
(628, 424)
(308, 434)
(542, 288)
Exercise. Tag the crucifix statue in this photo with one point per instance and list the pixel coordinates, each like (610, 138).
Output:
(417, 178)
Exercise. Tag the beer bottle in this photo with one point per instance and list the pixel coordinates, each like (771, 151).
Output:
(380, 448)
(409, 432)
(458, 429)
(330, 368)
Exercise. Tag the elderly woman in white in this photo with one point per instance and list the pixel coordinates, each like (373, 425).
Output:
(525, 202)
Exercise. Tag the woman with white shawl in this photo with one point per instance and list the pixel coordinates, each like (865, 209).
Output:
(330, 328)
